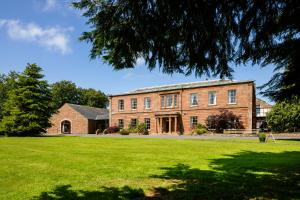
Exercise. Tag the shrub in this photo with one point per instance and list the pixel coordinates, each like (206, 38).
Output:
(111, 129)
(200, 129)
(124, 131)
(285, 116)
(262, 137)
(225, 120)
(142, 129)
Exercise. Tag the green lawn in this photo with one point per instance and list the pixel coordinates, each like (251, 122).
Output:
(127, 168)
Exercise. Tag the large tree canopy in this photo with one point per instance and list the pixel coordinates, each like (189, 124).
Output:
(198, 36)
(67, 92)
(27, 109)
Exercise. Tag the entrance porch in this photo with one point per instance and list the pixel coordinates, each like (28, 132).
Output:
(167, 123)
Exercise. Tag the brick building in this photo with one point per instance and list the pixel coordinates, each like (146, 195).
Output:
(78, 119)
(177, 108)
(262, 108)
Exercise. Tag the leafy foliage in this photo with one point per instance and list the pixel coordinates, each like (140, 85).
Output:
(124, 131)
(7, 83)
(285, 116)
(200, 129)
(67, 92)
(64, 92)
(28, 108)
(262, 137)
(111, 129)
(225, 120)
(200, 37)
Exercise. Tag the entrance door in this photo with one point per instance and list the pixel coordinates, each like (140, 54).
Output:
(166, 125)
(66, 127)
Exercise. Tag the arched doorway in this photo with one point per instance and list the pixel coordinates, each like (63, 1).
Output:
(66, 127)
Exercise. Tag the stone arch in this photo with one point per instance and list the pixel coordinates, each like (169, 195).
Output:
(66, 127)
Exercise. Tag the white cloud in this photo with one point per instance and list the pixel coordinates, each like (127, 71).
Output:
(53, 38)
(50, 5)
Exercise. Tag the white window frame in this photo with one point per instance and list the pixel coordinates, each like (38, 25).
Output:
(169, 101)
(192, 121)
(134, 103)
(215, 97)
(230, 96)
(162, 101)
(192, 100)
(119, 124)
(147, 103)
(136, 122)
(121, 102)
(147, 123)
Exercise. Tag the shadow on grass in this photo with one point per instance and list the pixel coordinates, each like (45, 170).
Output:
(245, 175)
(106, 193)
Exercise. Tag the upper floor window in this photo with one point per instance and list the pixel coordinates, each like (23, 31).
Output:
(121, 104)
(194, 99)
(134, 104)
(147, 123)
(121, 123)
(169, 100)
(231, 96)
(133, 123)
(193, 121)
(212, 98)
(147, 102)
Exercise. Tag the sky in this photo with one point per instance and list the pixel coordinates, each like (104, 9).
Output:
(46, 32)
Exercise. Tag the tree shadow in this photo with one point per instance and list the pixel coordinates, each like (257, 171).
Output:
(247, 175)
(64, 192)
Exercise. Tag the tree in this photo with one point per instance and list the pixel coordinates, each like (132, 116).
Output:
(64, 92)
(285, 116)
(224, 120)
(28, 108)
(200, 37)
(67, 92)
(7, 83)
(93, 98)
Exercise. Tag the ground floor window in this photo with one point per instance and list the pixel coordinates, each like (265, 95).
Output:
(147, 123)
(193, 121)
(133, 123)
(121, 123)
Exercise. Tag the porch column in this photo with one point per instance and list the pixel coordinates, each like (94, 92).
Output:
(156, 128)
(175, 128)
(170, 124)
(160, 124)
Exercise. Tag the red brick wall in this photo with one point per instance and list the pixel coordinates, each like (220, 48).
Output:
(79, 124)
(244, 107)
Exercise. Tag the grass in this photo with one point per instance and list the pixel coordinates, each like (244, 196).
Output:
(136, 168)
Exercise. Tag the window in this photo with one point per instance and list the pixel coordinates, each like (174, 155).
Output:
(193, 121)
(194, 99)
(121, 104)
(162, 101)
(121, 123)
(147, 123)
(133, 104)
(231, 96)
(147, 102)
(212, 98)
(175, 100)
(133, 123)
(169, 100)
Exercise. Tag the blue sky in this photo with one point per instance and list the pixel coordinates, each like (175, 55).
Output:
(46, 32)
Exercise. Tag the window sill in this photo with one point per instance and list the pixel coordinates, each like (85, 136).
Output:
(212, 104)
(193, 106)
(231, 103)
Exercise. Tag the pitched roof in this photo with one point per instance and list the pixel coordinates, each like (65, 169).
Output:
(262, 103)
(91, 112)
(184, 86)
